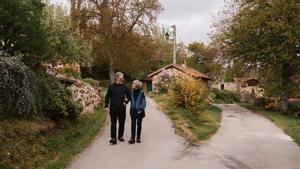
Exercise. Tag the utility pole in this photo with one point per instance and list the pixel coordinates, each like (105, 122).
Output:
(174, 44)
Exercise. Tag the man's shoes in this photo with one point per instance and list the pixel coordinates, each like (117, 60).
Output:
(113, 141)
(131, 141)
(138, 140)
(121, 139)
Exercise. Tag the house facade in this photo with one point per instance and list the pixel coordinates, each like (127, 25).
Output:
(161, 76)
(248, 88)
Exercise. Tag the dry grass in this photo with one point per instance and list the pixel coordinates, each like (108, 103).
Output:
(40, 143)
(187, 124)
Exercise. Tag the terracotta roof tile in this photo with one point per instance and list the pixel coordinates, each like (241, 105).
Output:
(190, 71)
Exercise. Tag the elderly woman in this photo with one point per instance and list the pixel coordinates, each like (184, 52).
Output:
(137, 111)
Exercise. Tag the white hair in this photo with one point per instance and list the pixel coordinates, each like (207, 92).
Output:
(119, 74)
(138, 84)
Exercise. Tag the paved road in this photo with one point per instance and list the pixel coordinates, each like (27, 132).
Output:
(244, 141)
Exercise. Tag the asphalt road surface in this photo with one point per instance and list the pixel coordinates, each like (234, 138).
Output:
(244, 141)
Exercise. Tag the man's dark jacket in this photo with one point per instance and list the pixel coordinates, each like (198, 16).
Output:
(116, 94)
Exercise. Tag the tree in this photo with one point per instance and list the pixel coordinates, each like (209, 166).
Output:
(265, 35)
(21, 29)
(163, 49)
(235, 70)
(113, 28)
(205, 59)
(65, 44)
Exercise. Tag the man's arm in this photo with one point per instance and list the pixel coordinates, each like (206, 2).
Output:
(128, 95)
(107, 96)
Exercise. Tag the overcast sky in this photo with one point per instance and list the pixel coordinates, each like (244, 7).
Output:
(193, 18)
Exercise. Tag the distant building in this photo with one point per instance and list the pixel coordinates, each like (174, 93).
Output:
(162, 75)
(237, 85)
(248, 88)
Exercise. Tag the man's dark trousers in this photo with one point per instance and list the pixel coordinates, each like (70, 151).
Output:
(117, 114)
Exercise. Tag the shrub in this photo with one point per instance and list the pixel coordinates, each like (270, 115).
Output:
(24, 93)
(294, 107)
(222, 96)
(17, 88)
(70, 70)
(104, 83)
(163, 84)
(189, 93)
(57, 102)
(271, 104)
(91, 81)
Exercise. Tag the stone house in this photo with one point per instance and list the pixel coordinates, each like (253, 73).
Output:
(237, 85)
(248, 88)
(161, 76)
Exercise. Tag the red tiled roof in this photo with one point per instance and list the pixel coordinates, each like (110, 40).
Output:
(190, 71)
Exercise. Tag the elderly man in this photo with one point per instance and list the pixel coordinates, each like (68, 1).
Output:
(116, 99)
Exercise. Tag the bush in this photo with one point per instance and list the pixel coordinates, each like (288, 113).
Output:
(17, 88)
(91, 81)
(57, 102)
(24, 93)
(70, 70)
(189, 93)
(294, 107)
(163, 84)
(222, 96)
(104, 83)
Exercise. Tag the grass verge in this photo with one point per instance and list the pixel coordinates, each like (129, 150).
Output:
(289, 124)
(42, 144)
(194, 128)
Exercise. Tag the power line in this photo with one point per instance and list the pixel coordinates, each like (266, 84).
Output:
(180, 37)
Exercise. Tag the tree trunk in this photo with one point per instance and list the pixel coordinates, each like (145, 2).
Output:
(283, 103)
(286, 75)
(111, 70)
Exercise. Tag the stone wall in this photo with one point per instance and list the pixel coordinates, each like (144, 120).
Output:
(161, 79)
(228, 86)
(86, 94)
(247, 94)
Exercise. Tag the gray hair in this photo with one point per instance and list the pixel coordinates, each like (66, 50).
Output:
(119, 74)
(138, 84)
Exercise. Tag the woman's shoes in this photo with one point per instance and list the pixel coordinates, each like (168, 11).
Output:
(131, 141)
(121, 139)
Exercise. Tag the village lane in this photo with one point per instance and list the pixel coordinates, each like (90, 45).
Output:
(244, 141)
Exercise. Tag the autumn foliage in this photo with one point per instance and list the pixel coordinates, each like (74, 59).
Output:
(189, 93)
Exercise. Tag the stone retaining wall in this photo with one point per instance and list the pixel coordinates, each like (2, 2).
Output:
(86, 94)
